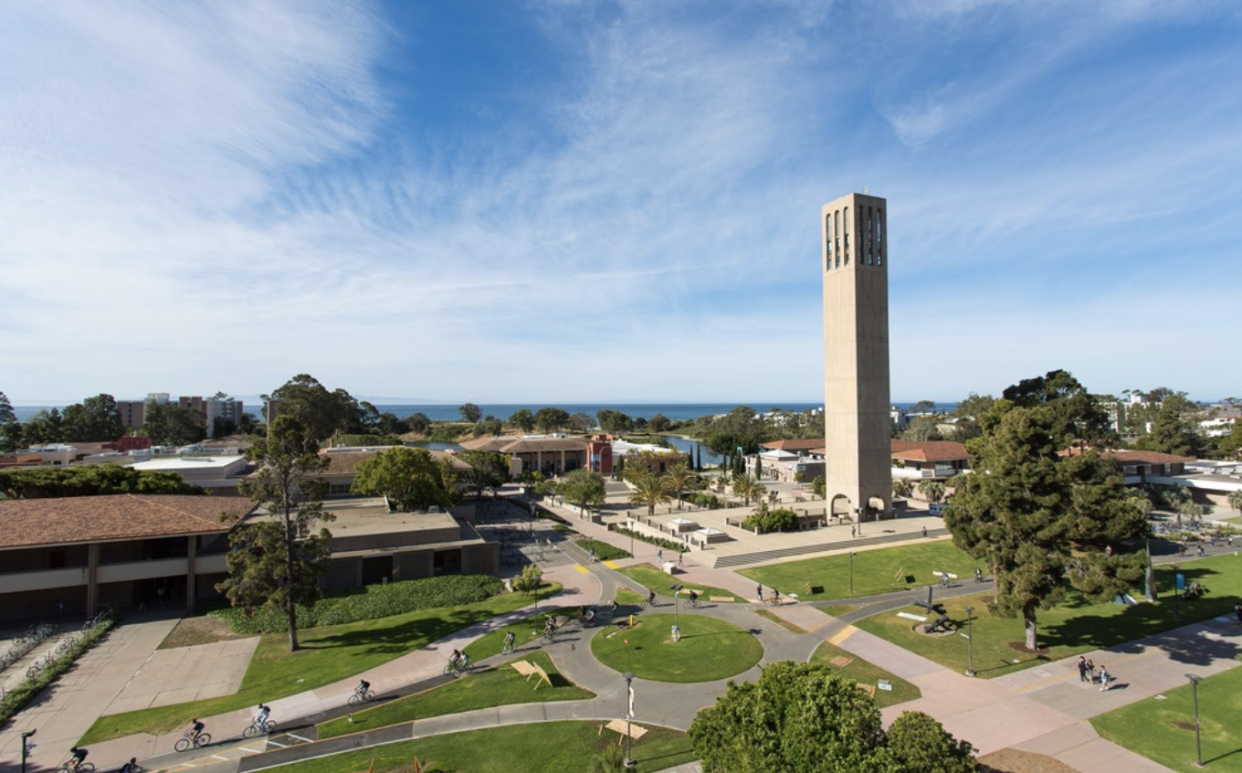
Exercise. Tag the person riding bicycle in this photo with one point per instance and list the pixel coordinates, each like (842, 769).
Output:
(363, 687)
(78, 756)
(651, 598)
(463, 663)
(694, 597)
(131, 766)
(196, 729)
(549, 627)
(260, 717)
(613, 606)
(509, 637)
(455, 658)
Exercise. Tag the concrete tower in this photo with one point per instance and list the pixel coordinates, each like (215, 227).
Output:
(856, 391)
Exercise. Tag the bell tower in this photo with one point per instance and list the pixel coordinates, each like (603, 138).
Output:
(856, 386)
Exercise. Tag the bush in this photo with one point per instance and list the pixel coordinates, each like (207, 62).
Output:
(765, 521)
(667, 544)
(561, 528)
(708, 501)
(369, 603)
(529, 580)
(603, 551)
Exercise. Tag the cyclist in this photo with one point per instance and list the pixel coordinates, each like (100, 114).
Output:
(196, 729)
(694, 598)
(508, 647)
(455, 658)
(78, 756)
(260, 717)
(549, 628)
(613, 607)
(131, 766)
(363, 687)
(463, 663)
(651, 598)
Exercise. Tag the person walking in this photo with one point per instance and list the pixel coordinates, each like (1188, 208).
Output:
(1105, 678)
(924, 532)
(660, 556)
(759, 593)
(1082, 668)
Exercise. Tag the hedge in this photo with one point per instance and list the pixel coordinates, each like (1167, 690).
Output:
(17, 699)
(368, 603)
(667, 544)
(603, 551)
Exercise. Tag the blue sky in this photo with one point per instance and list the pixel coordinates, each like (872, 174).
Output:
(589, 201)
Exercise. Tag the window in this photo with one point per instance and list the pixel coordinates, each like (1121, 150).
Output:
(879, 237)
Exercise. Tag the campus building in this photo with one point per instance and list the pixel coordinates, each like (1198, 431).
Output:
(856, 376)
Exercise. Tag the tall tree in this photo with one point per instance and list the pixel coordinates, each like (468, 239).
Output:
(523, 419)
(419, 422)
(967, 414)
(1043, 521)
(748, 487)
(1174, 428)
(277, 563)
(551, 419)
(804, 718)
(488, 470)
(740, 428)
(470, 412)
(91, 480)
(582, 488)
(659, 423)
(614, 422)
(1235, 501)
(169, 424)
(581, 422)
(680, 478)
(320, 412)
(924, 406)
(932, 490)
(7, 415)
(411, 478)
(10, 427)
(94, 419)
(45, 427)
(648, 489)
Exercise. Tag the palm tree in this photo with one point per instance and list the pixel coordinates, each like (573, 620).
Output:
(932, 490)
(1235, 500)
(748, 487)
(680, 478)
(902, 487)
(649, 490)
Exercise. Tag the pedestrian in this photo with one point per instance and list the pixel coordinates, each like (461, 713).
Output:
(853, 533)
(592, 555)
(1082, 668)
(1105, 678)
(759, 593)
(1091, 670)
(660, 555)
(978, 574)
(680, 555)
(924, 532)
(1237, 610)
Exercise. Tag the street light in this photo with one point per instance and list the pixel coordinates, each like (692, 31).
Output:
(970, 641)
(629, 717)
(676, 589)
(1194, 689)
(851, 573)
(26, 747)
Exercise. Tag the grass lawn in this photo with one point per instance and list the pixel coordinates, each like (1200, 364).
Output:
(864, 672)
(709, 649)
(837, 610)
(875, 571)
(547, 747)
(500, 686)
(328, 654)
(652, 578)
(1164, 730)
(1073, 627)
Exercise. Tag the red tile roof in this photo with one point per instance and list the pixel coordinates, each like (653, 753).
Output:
(1144, 457)
(68, 520)
(796, 445)
(929, 451)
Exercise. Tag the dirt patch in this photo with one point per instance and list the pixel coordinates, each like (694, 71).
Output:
(1184, 726)
(198, 630)
(1020, 646)
(1014, 761)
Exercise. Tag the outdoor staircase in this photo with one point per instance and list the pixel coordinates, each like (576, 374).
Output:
(741, 559)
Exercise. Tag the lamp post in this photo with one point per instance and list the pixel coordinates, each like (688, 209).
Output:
(970, 641)
(26, 746)
(1150, 578)
(851, 573)
(676, 589)
(1194, 689)
(629, 717)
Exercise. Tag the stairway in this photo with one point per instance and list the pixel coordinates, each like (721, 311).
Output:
(727, 562)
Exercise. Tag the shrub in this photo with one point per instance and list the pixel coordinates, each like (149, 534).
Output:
(708, 501)
(667, 544)
(17, 699)
(529, 580)
(603, 551)
(369, 603)
(764, 520)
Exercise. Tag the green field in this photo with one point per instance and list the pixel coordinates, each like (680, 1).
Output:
(1164, 731)
(652, 578)
(864, 672)
(875, 571)
(1073, 627)
(500, 686)
(709, 649)
(328, 654)
(547, 747)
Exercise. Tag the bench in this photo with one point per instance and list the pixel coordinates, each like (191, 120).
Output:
(915, 618)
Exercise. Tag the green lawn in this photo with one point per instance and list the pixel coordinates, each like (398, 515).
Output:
(863, 672)
(709, 649)
(328, 654)
(1164, 730)
(1073, 627)
(500, 686)
(875, 571)
(652, 578)
(547, 747)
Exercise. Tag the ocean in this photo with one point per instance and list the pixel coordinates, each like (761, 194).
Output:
(502, 411)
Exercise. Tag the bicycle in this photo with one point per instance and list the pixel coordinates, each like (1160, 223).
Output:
(192, 740)
(254, 729)
(360, 697)
(73, 766)
(456, 669)
(508, 646)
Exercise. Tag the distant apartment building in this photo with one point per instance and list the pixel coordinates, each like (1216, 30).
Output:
(133, 412)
